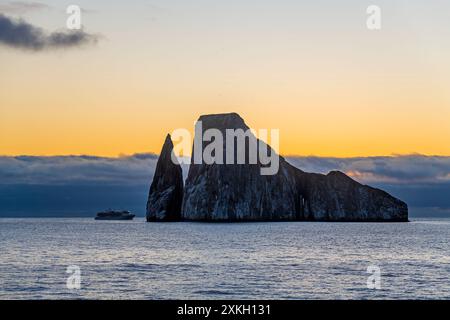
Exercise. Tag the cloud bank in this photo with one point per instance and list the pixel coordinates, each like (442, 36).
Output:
(19, 34)
(78, 170)
(138, 168)
(79, 185)
(411, 169)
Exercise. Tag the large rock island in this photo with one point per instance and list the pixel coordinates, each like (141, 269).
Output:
(239, 192)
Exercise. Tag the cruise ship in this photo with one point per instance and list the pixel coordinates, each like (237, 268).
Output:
(114, 215)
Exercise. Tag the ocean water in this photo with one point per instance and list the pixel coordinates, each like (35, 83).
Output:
(297, 260)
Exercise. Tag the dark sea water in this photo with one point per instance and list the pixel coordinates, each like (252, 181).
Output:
(300, 260)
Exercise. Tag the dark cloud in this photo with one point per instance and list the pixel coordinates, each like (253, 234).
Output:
(74, 185)
(20, 7)
(77, 170)
(20, 34)
(398, 170)
(412, 169)
(80, 184)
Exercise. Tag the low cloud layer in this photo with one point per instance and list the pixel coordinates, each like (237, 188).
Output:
(19, 34)
(412, 169)
(77, 170)
(80, 184)
(138, 168)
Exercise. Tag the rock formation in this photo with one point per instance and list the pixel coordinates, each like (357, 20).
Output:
(166, 190)
(337, 197)
(238, 192)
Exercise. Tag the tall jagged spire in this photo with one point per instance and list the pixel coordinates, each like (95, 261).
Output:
(166, 191)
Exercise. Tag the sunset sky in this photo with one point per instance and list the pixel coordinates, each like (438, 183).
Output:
(311, 69)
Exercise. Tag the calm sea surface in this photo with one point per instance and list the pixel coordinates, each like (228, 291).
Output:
(300, 260)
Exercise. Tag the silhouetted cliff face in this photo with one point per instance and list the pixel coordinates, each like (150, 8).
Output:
(224, 192)
(238, 192)
(337, 197)
(166, 190)
(235, 192)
